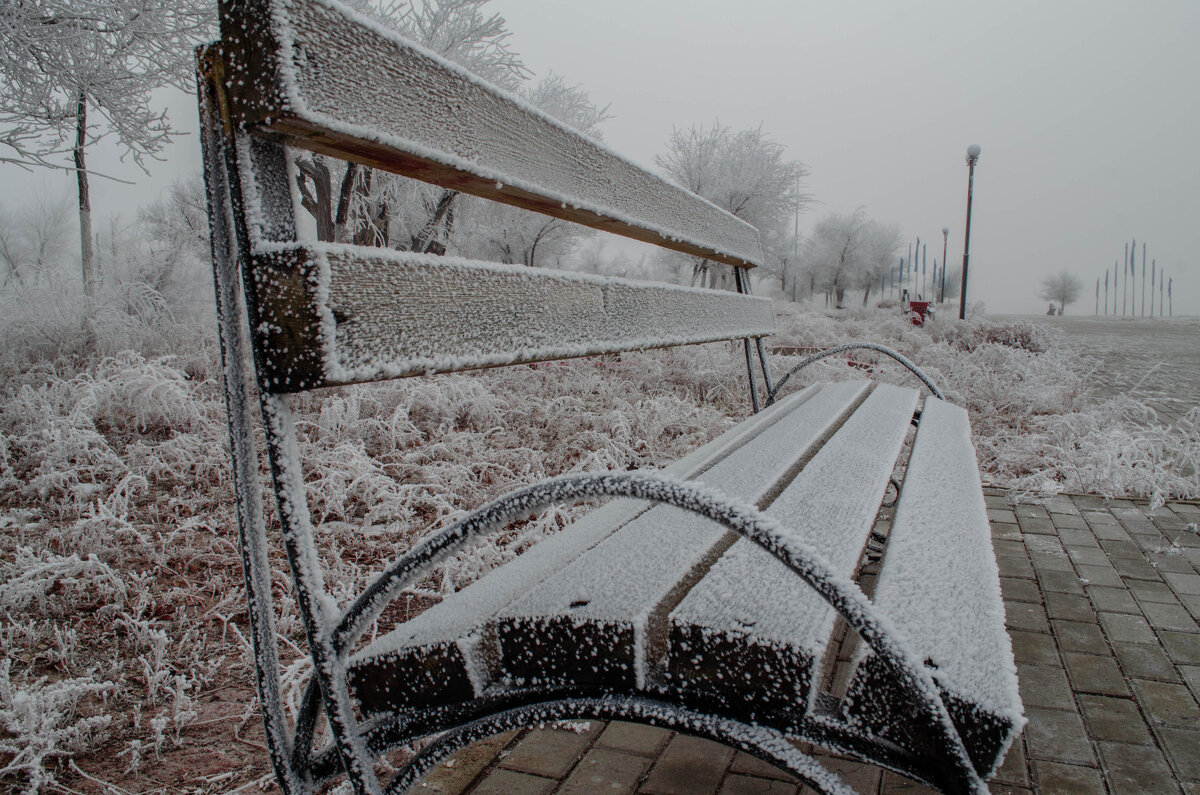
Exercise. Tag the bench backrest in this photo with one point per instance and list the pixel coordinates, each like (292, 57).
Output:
(314, 75)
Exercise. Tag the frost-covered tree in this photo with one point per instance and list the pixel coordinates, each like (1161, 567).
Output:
(849, 252)
(75, 71)
(33, 239)
(1063, 287)
(742, 171)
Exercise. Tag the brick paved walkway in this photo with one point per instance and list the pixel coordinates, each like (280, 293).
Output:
(1103, 600)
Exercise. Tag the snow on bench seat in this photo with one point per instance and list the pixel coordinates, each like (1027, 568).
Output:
(749, 635)
(328, 314)
(600, 622)
(940, 588)
(329, 80)
(441, 656)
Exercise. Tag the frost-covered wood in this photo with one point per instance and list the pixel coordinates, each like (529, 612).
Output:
(603, 619)
(330, 314)
(328, 80)
(452, 645)
(755, 653)
(940, 587)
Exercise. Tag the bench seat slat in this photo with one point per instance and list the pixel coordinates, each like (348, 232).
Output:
(329, 314)
(597, 621)
(296, 67)
(433, 658)
(940, 587)
(748, 635)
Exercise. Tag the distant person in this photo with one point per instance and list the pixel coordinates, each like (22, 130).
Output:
(1051, 311)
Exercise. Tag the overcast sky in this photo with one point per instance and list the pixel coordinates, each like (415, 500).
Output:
(1087, 114)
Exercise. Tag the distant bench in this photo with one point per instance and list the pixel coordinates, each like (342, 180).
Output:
(713, 597)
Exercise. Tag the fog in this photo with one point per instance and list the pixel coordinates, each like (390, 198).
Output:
(1085, 112)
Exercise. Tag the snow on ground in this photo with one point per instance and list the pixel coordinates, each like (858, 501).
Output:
(121, 617)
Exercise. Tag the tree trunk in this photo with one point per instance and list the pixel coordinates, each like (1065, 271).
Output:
(87, 257)
(866, 296)
(320, 205)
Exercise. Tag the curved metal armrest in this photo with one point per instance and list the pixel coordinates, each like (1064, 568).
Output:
(850, 346)
(803, 559)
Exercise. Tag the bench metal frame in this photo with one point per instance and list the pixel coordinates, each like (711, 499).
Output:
(246, 179)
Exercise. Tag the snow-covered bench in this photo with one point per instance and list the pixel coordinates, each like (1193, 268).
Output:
(713, 597)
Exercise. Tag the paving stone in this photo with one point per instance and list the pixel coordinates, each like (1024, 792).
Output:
(1191, 675)
(1099, 518)
(1113, 600)
(689, 765)
(1183, 750)
(1113, 532)
(1057, 735)
(1001, 516)
(1134, 569)
(1069, 526)
(1090, 502)
(1033, 647)
(1122, 549)
(1079, 636)
(1034, 526)
(1015, 567)
(1042, 543)
(1145, 662)
(1088, 556)
(1019, 590)
(1076, 533)
(1166, 616)
(1045, 686)
(1092, 673)
(634, 737)
(1135, 768)
(1115, 719)
(753, 766)
(1182, 647)
(856, 775)
(1174, 563)
(1003, 531)
(456, 773)
(1022, 615)
(1192, 603)
(898, 785)
(1059, 581)
(1105, 576)
(749, 785)
(1183, 583)
(606, 770)
(996, 498)
(1069, 607)
(1067, 779)
(1125, 628)
(549, 752)
(1060, 504)
(1010, 549)
(506, 782)
(1014, 770)
(1031, 510)
(1152, 592)
(1166, 703)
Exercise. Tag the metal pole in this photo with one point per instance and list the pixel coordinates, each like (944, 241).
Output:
(972, 159)
(945, 243)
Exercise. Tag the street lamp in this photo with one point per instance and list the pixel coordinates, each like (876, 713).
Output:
(945, 241)
(972, 159)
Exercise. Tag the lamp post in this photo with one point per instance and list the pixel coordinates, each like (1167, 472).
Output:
(972, 159)
(945, 242)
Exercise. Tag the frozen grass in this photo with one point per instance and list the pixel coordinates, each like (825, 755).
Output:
(120, 588)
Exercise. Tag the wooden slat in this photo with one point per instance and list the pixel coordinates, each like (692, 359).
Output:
(329, 314)
(598, 621)
(940, 588)
(749, 635)
(313, 72)
(438, 657)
